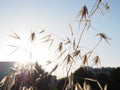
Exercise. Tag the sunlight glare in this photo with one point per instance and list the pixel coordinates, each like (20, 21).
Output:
(23, 50)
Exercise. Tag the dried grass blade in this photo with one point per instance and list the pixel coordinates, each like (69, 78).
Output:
(53, 69)
(99, 85)
(15, 35)
(12, 45)
(65, 59)
(60, 47)
(46, 37)
(99, 9)
(107, 42)
(74, 44)
(49, 40)
(48, 62)
(68, 41)
(78, 86)
(31, 88)
(105, 87)
(71, 30)
(94, 6)
(52, 40)
(89, 24)
(85, 85)
(88, 87)
(93, 12)
(90, 79)
(76, 53)
(79, 13)
(68, 59)
(37, 79)
(13, 51)
(3, 80)
(41, 30)
(71, 80)
(61, 54)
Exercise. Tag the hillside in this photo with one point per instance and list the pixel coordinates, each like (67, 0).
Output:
(104, 75)
(5, 68)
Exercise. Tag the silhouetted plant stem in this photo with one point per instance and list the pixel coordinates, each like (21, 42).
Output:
(97, 45)
(69, 69)
(81, 35)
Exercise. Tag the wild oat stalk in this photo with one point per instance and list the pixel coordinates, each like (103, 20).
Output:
(102, 36)
(28, 76)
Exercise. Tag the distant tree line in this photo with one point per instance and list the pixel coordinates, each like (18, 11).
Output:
(109, 76)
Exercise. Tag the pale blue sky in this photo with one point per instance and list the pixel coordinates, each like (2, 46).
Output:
(54, 15)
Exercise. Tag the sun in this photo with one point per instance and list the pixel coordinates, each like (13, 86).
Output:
(28, 48)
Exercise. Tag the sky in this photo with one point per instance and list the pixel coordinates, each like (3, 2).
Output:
(22, 16)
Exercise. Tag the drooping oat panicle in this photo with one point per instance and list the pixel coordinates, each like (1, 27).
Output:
(76, 53)
(33, 36)
(89, 53)
(82, 13)
(60, 46)
(103, 36)
(85, 57)
(85, 60)
(68, 59)
(15, 35)
(107, 7)
(96, 60)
